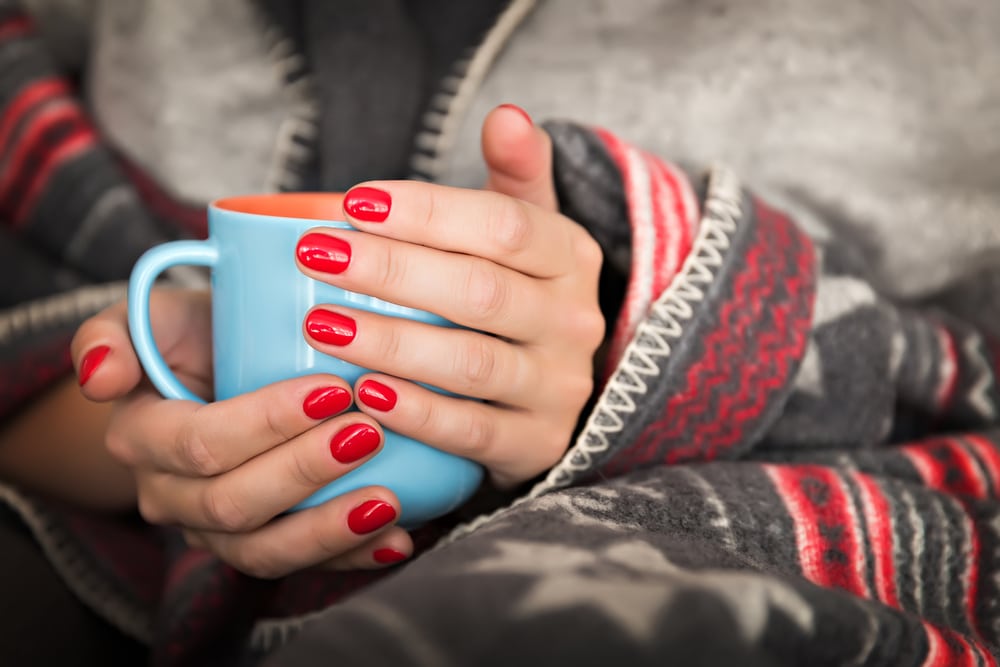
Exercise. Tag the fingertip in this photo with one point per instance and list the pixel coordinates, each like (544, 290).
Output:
(356, 442)
(90, 362)
(518, 110)
(375, 392)
(103, 373)
(106, 366)
(518, 156)
(393, 547)
(388, 549)
(326, 400)
(509, 139)
(387, 556)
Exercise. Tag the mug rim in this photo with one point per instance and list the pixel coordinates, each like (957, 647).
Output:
(321, 206)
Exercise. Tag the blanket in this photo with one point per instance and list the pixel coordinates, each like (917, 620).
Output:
(781, 464)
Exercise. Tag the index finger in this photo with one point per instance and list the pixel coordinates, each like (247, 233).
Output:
(503, 229)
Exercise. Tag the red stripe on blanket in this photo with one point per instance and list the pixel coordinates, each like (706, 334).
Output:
(660, 208)
(638, 292)
(26, 100)
(15, 152)
(990, 458)
(827, 533)
(878, 519)
(946, 648)
(945, 465)
(15, 27)
(984, 652)
(746, 357)
(669, 200)
(972, 576)
(76, 143)
(948, 370)
(33, 140)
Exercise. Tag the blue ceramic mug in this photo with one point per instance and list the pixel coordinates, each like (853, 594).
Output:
(259, 300)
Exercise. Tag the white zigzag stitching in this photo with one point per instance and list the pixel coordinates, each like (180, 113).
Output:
(448, 107)
(652, 342)
(59, 309)
(298, 130)
(978, 395)
(669, 312)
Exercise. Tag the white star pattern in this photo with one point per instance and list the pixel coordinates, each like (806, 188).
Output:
(837, 296)
(810, 377)
(630, 582)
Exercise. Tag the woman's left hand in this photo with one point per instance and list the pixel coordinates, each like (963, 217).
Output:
(503, 263)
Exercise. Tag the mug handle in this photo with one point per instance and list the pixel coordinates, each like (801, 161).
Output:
(152, 263)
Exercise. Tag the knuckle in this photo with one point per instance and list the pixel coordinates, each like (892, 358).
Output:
(589, 252)
(509, 225)
(578, 388)
(120, 447)
(486, 293)
(273, 423)
(478, 435)
(150, 510)
(222, 511)
(302, 472)
(388, 345)
(552, 447)
(195, 453)
(428, 203)
(476, 363)
(259, 562)
(328, 541)
(426, 421)
(391, 272)
(590, 327)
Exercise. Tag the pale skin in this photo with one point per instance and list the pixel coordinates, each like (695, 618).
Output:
(501, 261)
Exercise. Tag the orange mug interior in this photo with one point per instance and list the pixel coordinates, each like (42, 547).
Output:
(306, 205)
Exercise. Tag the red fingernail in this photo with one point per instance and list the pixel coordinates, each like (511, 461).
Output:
(91, 361)
(367, 204)
(514, 107)
(321, 252)
(369, 516)
(353, 443)
(388, 556)
(376, 395)
(326, 402)
(328, 327)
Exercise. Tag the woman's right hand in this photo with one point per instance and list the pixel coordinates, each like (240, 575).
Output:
(225, 472)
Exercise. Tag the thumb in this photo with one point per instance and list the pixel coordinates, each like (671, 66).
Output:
(518, 157)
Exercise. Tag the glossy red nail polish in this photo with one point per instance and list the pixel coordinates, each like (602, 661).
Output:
(354, 442)
(329, 327)
(514, 107)
(376, 395)
(388, 556)
(367, 204)
(321, 252)
(326, 402)
(91, 361)
(369, 516)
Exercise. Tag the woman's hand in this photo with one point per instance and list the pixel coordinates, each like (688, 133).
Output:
(521, 278)
(226, 471)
